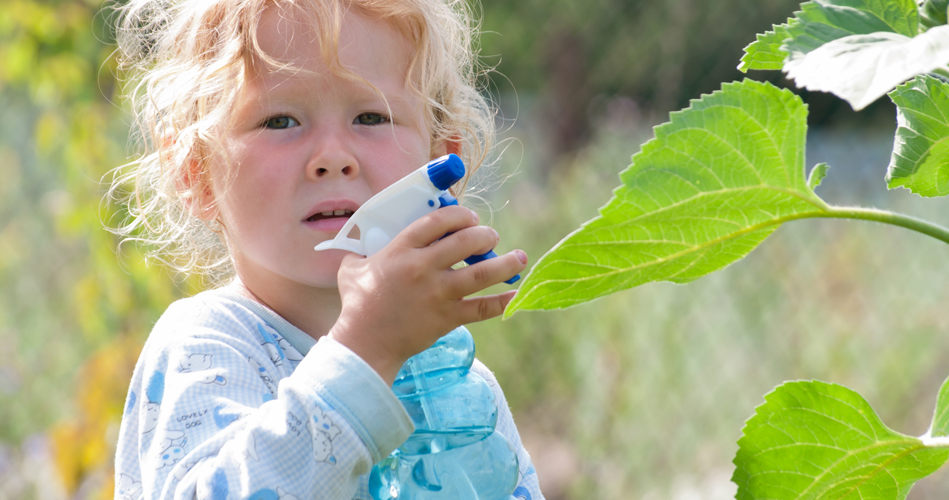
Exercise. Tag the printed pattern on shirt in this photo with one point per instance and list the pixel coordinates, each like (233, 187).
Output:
(217, 409)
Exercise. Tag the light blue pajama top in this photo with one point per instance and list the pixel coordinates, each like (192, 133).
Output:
(229, 400)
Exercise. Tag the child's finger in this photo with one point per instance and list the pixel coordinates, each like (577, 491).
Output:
(428, 229)
(468, 280)
(460, 245)
(485, 307)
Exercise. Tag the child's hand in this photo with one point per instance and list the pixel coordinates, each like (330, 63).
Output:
(399, 301)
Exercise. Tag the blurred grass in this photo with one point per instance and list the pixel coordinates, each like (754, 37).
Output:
(73, 314)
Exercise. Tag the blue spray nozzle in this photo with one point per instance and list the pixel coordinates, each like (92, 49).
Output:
(445, 171)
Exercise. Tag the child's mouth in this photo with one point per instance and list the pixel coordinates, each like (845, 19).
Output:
(329, 215)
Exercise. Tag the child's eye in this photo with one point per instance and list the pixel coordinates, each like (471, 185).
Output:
(371, 119)
(280, 122)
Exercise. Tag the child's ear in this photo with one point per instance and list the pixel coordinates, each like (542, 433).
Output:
(192, 183)
(198, 197)
(194, 190)
(447, 146)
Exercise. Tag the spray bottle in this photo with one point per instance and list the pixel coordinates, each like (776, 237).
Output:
(455, 451)
(395, 207)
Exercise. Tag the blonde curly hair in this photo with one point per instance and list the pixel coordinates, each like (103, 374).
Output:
(186, 63)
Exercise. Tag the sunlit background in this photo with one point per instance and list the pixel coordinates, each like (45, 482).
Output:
(640, 395)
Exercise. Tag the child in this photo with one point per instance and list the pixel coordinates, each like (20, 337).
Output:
(271, 121)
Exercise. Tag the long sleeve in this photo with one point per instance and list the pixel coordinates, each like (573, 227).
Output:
(221, 406)
(528, 487)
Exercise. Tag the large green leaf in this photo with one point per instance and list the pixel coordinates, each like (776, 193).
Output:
(862, 68)
(933, 13)
(765, 52)
(813, 440)
(823, 21)
(713, 183)
(920, 160)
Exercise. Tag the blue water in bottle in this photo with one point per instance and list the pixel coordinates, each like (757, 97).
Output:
(455, 451)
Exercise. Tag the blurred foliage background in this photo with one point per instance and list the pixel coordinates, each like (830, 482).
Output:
(638, 395)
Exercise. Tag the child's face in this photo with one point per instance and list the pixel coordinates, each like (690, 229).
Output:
(308, 143)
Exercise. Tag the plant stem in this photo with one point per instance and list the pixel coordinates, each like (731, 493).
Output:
(895, 219)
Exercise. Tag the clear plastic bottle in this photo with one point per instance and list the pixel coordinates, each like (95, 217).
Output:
(455, 451)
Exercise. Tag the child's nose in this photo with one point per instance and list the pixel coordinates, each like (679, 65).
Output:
(344, 170)
(332, 160)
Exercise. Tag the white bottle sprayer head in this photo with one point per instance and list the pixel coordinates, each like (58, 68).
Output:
(391, 210)
(395, 207)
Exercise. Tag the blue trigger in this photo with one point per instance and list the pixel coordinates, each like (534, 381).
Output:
(474, 259)
(446, 200)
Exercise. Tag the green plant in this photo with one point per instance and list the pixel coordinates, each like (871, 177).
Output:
(724, 173)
